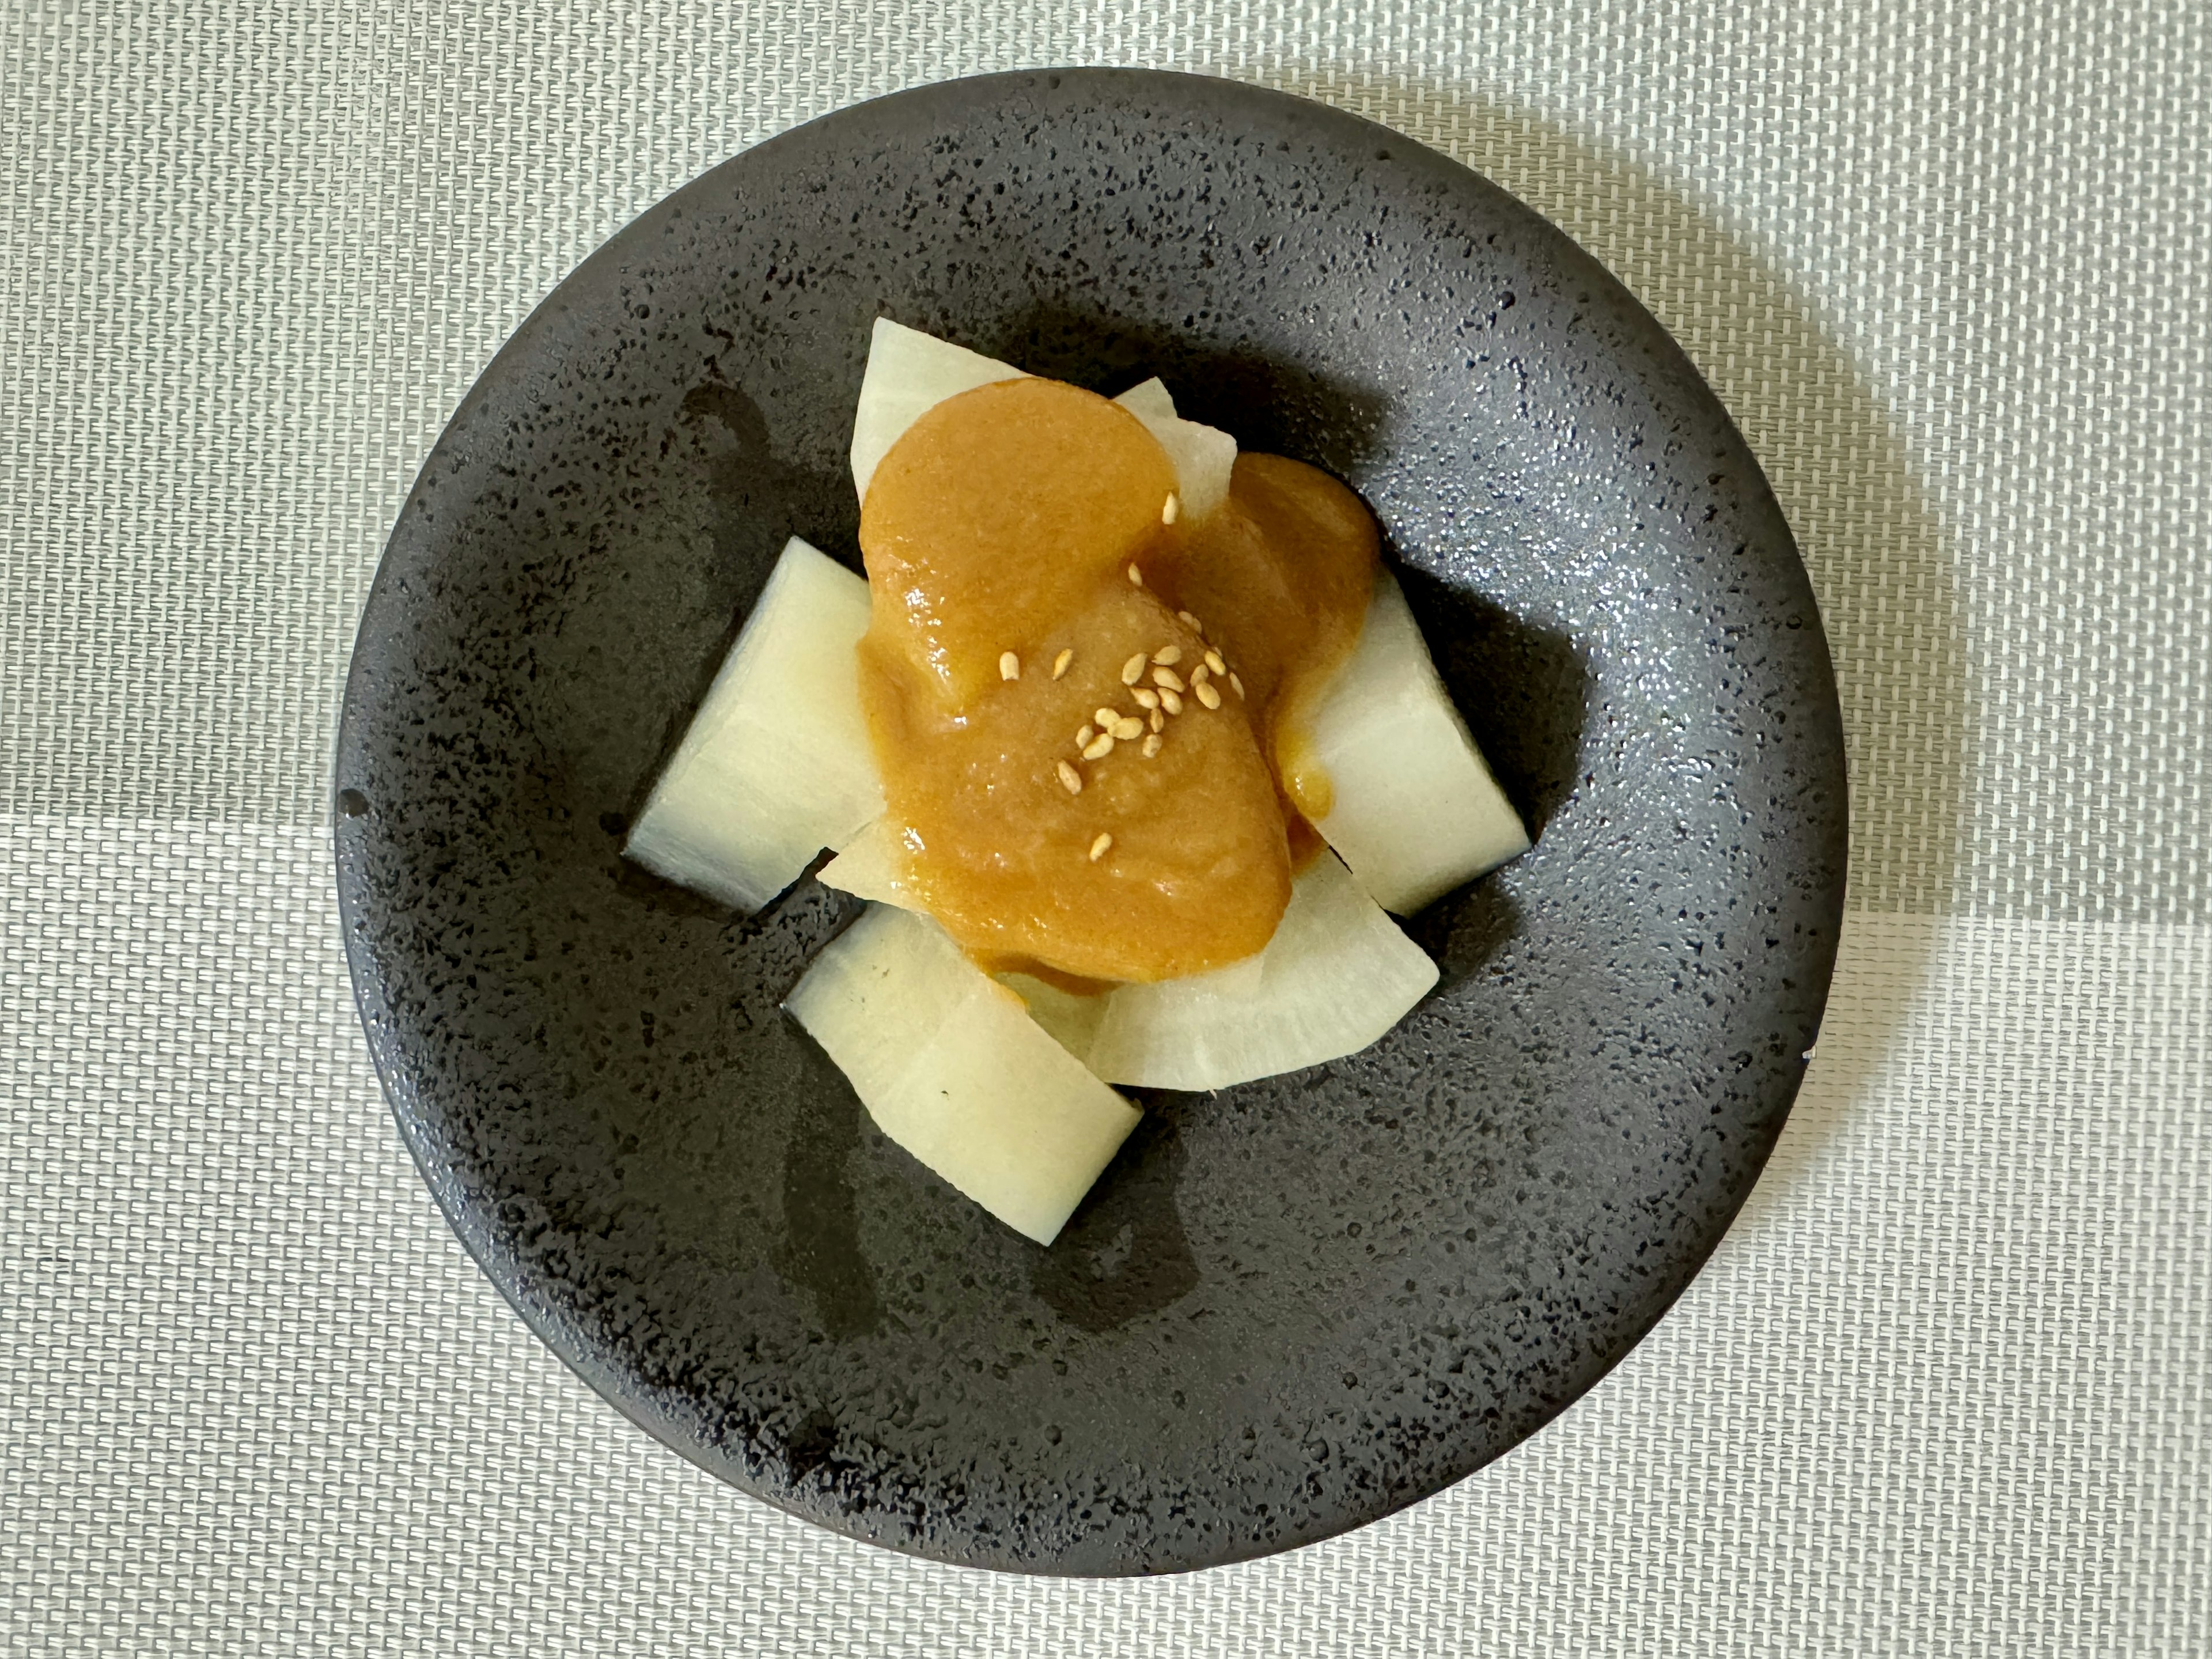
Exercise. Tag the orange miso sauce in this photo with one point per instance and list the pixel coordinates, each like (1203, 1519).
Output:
(1079, 699)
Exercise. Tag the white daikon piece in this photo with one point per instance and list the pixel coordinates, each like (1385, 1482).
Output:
(1337, 974)
(1414, 810)
(908, 374)
(777, 763)
(1070, 1020)
(951, 1066)
(1149, 401)
(1203, 456)
(867, 867)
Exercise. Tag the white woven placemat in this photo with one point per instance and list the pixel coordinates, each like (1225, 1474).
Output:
(1945, 1390)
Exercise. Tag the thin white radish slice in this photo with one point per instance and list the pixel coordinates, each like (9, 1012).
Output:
(1414, 809)
(777, 763)
(951, 1066)
(1337, 974)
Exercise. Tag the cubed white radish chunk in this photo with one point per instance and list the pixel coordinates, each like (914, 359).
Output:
(777, 763)
(1414, 809)
(908, 374)
(1337, 974)
(951, 1066)
(1203, 456)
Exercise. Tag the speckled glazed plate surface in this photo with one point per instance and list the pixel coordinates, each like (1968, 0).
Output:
(1287, 1309)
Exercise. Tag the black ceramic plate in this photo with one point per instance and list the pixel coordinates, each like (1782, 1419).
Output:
(1289, 1308)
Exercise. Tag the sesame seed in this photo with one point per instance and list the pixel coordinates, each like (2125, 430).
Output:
(1099, 747)
(1098, 848)
(1213, 661)
(1147, 697)
(1236, 684)
(1207, 695)
(1167, 679)
(1069, 779)
(1136, 577)
(1158, 719)
(1128, 728)
(1152, 745)
(1168, 655)
(1200, 675)
(1084, 733)
(1010, 665)
(1134, 670)
(1169, 702)
(1105, 717)
(1060, 663)
(1170, 508)
(1190, 622)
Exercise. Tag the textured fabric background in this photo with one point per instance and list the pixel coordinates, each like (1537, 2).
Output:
(1944, 1389)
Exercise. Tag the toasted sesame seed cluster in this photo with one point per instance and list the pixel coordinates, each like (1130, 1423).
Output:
(1109, 726)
